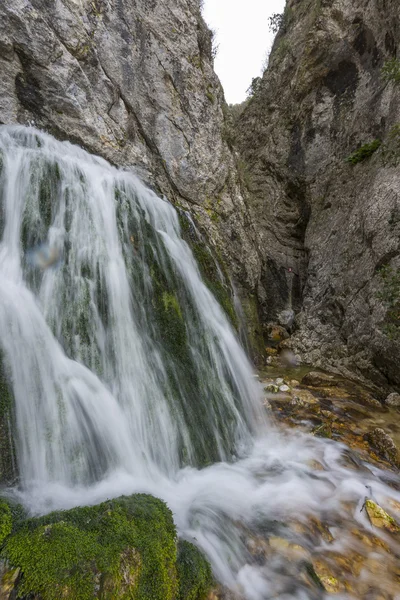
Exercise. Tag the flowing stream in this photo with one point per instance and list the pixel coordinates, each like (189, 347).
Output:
(127, 374)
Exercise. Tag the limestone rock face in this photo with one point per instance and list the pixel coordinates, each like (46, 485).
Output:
(133, 81)
(326, 225)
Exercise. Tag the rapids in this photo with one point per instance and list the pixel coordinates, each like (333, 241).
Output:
(128, 376)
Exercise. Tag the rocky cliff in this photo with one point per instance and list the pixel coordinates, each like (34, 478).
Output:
(334, 222)
(133, 81)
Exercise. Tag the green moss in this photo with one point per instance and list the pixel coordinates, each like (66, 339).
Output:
(125, 548)
(212, 278)
(365, 152)
(254, 331)
(5, 521)
(194, 572)
(210, 96)
(391, 70)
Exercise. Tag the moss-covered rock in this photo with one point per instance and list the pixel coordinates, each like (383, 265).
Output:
(380, 518)
(124, 548)
(195, 576)
(5, 521)
(7, 451)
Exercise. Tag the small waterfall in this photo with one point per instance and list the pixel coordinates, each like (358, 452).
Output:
(120, 356)
(127, 374)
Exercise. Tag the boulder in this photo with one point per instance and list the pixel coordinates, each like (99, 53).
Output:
(393, 400)
(123, 548)
(319, 379)
(383, 444)
(286, 319)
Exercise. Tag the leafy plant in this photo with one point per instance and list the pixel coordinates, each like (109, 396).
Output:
(366, 151)
(254, 87)
(275, 22)
(391, 70)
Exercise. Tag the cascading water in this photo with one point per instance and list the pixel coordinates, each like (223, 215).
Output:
(127, 375)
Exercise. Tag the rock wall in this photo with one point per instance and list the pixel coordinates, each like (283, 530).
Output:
(133, 81)
(335, 224)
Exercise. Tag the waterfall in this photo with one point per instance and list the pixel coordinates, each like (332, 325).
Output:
(119, 354)
(126, 372)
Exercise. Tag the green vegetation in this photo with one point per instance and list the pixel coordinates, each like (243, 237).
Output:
(365, 152)
(195, 576)
(390, 295)
(391, 70)
(275, 22)
(124, 548)
(209, 271)
(5, 521)
(254, 87)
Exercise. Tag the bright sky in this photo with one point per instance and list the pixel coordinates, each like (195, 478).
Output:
(244, 40)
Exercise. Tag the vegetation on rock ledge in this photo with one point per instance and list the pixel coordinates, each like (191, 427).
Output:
(366, 151)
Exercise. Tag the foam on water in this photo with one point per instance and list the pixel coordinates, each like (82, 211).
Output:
(107, 402)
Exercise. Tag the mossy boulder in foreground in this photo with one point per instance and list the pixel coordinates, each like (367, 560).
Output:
(124, 548)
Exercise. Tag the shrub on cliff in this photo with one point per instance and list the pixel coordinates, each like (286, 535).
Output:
(366, 151)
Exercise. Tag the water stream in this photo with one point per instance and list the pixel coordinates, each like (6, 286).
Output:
(128, 376)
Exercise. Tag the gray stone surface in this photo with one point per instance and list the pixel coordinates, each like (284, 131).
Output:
(332, 223)
(133, 81)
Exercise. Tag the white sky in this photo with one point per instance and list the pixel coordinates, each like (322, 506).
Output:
(244, 39)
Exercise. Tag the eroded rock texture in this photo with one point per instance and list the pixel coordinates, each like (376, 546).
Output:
(133, 81)
(334, 223)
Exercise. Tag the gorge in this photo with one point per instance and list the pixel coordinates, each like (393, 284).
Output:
(144, 226)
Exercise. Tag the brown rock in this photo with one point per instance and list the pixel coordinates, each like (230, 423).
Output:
(319, 379)
(383, 444)
(393, 400)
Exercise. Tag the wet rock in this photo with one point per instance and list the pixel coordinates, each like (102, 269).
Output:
(368, 400)
(271, 351)
(288, 549)
(272, 388)
(304, 397)
(121, 548)
(276, 333)
(321, 574)
(383, 444)
(324, 430)
(286, 319)
(380, 518)
(319, 379)
(284, 388)
(279, 381)
(8, 578)
(393, 400)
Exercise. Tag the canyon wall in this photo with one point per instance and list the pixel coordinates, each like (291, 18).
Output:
(335, 223)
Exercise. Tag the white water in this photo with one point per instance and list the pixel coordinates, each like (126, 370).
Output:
(105, 404)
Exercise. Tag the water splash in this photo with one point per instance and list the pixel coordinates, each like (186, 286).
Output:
(127, 375)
